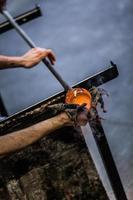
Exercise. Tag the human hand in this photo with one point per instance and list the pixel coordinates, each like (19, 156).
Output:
(73, 114)
(78, 115)
(82, 118)
(35, 55)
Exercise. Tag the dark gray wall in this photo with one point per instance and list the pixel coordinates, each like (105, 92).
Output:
(85, 35)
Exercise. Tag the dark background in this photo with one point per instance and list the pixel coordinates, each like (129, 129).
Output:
(85, 36)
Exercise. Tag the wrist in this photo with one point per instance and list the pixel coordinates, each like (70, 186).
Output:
(64, 119)
(15, 62)
(10, 62)
(18, 61)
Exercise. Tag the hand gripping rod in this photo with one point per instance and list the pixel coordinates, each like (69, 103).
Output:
(32, 45)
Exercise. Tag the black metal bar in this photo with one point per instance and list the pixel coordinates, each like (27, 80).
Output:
(28, 40)
(108, 161)
(102, 77)
(21, 19)
(110, 72)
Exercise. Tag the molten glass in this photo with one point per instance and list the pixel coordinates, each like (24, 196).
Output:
(79, 96)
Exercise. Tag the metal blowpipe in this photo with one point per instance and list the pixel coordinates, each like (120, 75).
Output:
(32, 45)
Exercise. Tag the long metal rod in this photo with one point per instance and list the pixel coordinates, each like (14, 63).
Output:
(32, 45)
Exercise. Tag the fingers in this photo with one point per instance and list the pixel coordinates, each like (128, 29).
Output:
(82, 117)
(77, 114)
(35, 55)
(51, 56)
(46, 53)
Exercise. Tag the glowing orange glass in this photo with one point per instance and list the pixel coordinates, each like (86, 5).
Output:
(79, 96)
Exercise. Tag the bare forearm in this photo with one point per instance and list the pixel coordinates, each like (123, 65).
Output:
(20, 139)
(10, 62)
(28, 60)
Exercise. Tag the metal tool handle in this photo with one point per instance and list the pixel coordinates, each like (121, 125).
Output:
(32, 45)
